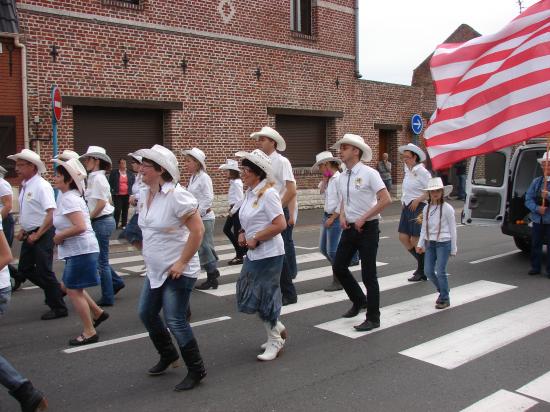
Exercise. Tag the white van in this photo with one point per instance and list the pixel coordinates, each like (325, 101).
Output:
(496, 187)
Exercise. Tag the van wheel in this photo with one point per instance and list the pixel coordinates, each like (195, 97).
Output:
(523, 244)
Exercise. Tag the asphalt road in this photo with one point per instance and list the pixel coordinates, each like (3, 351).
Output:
(490, 344)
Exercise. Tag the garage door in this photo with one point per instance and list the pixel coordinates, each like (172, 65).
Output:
(305, 136)
(119, 131)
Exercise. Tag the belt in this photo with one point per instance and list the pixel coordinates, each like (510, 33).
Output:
(368, 222)
(95, 219)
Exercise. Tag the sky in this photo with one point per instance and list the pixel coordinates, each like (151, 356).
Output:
(395, 36)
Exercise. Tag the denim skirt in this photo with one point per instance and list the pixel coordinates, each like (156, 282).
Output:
(409, 223)
(81, 271)
(258, 288)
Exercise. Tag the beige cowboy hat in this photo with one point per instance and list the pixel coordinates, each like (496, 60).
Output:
(230, 164)
(196, 154)
(324, 157)
(435, 183)
(163, 157)
(31, 157)
(135, 157)
(98, 152)
(413, 148)
(67, 154)
(544, 158)
(76, 170)
(356, 141)
(273, 135)
(259, 158)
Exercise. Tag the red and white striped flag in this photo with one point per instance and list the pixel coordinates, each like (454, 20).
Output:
(492, 91)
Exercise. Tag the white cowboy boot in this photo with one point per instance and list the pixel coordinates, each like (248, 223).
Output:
(275, 343)
(282, 331)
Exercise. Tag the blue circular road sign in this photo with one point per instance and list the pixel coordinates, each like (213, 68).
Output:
(417, 124)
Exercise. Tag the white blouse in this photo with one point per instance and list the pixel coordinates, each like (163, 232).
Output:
(446, 227)
(138, 186)
(164, 236)
(257, 213)
(200, 186)
(414, 183)
(331, 194)
(5, 190)
(84, 243)
(98, 189)
(235, 193)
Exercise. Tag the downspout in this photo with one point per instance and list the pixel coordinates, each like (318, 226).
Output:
(356, 12)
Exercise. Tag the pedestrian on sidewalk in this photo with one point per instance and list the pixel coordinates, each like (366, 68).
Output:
(132, 233)
(384, 168)
(364, 196)
(6, 205)
(271, 143)
(98, 196)
(29, 398)
(438, 238)
(234, 197)
(78, 247)
(200, 186)
(172, 233)
(121, 181)
(262, 219)
(413, 200)
(36, 208)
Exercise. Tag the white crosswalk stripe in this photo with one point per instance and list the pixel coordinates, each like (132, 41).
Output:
(538, 388)
(502, 401)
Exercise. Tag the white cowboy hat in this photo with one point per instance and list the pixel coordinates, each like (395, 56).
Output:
(357, 141)
(413, 148)
(3, 172)
(273, 135)
(135, 157)
(544, 158)
(259, 158)
(98, 152)
(31, 157)
(67, 154)
(196, 154)
(324, 157)
(230, 164)
(76, 170)
(163, 157)
(435, 183)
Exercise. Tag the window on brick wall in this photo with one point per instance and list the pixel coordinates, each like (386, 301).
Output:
(300, 16)
(7, 143)
(128, 4)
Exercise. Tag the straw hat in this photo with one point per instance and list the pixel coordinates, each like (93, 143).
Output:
(356, 141)
(135, 157)
(163, 157)
(196, 154)
(324, 157)
(76, 170)
(67, 154)
(435, 183)
(98, 152)
(259, 158)
(273, 135)
(230, 164)
(31, 157)
(413, 148)
(544, 158)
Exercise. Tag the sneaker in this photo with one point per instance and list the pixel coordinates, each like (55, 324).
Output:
(442, 305)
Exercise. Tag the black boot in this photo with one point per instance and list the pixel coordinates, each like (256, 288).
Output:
(210, 282)
(167, 351)
(418, 274)
(195, 366)
(29, 398)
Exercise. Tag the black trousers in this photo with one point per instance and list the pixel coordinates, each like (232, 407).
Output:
(121, 203)
(366, 242)
(35, 264)
(231, 229)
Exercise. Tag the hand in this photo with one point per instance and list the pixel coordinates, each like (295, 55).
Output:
(414, 204)
(419, 250)
(242, 240)
(343, 224)
(57, 239)
(542, 210)
(20, 235)
(290, 221)
(133, 200)
(359, 223)
(329, 222)
(252, 243)
(32, 238)
(176, 270)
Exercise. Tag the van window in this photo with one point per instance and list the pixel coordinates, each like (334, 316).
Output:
(489, 170)
(526, 170)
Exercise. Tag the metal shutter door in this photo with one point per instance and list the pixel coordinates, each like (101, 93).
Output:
(305, 136)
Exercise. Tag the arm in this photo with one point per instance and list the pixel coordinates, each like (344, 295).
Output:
(277, 226)
(7, 202)
(46, 225)
(98, 208)
(290, 193)
(343, 223)
(5, 251)
(207, 195)
(78, 227)
(530, 199)
(384, 200)
(452, 228)
(421, 246)
(193, 222)
(424, 179)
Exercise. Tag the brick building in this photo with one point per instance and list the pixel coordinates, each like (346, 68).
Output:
(202, 73)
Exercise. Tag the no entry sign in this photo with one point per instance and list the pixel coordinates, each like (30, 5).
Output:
(56, 103)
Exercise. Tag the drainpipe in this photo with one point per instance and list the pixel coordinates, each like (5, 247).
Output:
(356, 12)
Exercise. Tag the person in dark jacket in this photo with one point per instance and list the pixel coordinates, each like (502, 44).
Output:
(121, 181)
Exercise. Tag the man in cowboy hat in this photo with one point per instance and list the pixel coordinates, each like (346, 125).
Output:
(36, 207)
(270, 142)
(364, 195)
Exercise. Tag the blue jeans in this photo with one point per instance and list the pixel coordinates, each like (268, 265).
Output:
(290, 268)
(538, 231)
(461, 186)
(110, 280)
(329, 239)
(5, 297)
(173, 298)
(435, 266)
(9, 377)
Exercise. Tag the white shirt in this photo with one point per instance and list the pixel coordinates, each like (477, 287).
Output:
(331, 194)
(447, 231)
(164, 236)
(200, 186)
(4, 272)
(256, 214)
(282, 173)
(98, 189)
(5, 190)
(235, 193)
(86, 242)
(138, 186)
(414, 183)
(35, 198)
(364, 183)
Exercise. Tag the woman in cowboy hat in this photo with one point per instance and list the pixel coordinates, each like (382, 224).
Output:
(78, 247)
(262, 220)
(413, 200)
(98, 196)
(438, 238)
(234, 197)
(132, 233)
(172, 233)
(200, 186)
